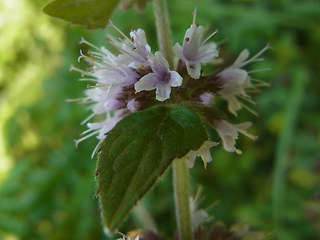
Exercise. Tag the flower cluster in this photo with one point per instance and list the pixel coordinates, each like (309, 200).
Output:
(136, 78)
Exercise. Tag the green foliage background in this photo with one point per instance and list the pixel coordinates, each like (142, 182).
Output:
(47, 185)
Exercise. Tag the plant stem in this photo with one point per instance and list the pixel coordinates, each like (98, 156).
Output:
(163, 29)
(181, 196)
(180, 171)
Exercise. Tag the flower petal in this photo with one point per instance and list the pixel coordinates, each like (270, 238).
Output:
(241, 58)
(177, 49)
(237, 76)
(194, 69)
(163, 93)
(147, 82)
(176, 79)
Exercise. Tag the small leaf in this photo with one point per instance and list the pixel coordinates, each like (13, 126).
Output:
(89, 13)
(137, 151)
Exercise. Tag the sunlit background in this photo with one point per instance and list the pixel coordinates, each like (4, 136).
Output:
(47, 185)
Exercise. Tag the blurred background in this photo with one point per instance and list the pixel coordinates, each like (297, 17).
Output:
(47, 188)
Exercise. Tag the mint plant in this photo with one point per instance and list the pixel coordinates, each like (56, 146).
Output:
(153, 109)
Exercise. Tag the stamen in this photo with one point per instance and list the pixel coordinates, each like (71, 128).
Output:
(248, 100)
(85, 137)
(135, 56)
(238, 151)
(89, 79)
(194, 13)
(223, 41)
(87, 119)
(96, 148)
(114, 26)
(215, 31)
(255, 56)
(75, 100)
(83, 73)
(250, 110)
(261, 83)
(260, 70)
(89, 44)
(90, 59)
(207, 54)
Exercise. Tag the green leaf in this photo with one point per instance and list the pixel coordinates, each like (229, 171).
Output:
(137, 151)
(89, 13)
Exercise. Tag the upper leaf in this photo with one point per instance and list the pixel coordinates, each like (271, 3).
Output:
(89, 13)
(137, 151)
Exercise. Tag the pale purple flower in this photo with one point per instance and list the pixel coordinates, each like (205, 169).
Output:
(229, 133)
(195, 50)
(161, 79)
(134, 50)
(110, 76)
(235, 81)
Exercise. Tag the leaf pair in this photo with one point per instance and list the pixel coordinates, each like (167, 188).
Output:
(137, 151)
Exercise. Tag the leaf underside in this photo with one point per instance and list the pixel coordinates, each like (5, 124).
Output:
(89, 13)
(137, 151)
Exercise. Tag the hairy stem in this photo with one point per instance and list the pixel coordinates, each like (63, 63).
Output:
(163, 29)
(181, 196)
(180, 171)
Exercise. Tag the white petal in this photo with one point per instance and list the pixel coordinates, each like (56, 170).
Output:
(163, 93)
(194, 69)
(228, 143)
(139, 35)
(158, 63)
(237, 76)
(148, 48)
(176, 79)
(147, 83)
(177, 49)
(191, 158)
(192, 45)
(241, 58)
(208, 52)
(203, 152)
(234, 104)
(242, 127)
(226, 128)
